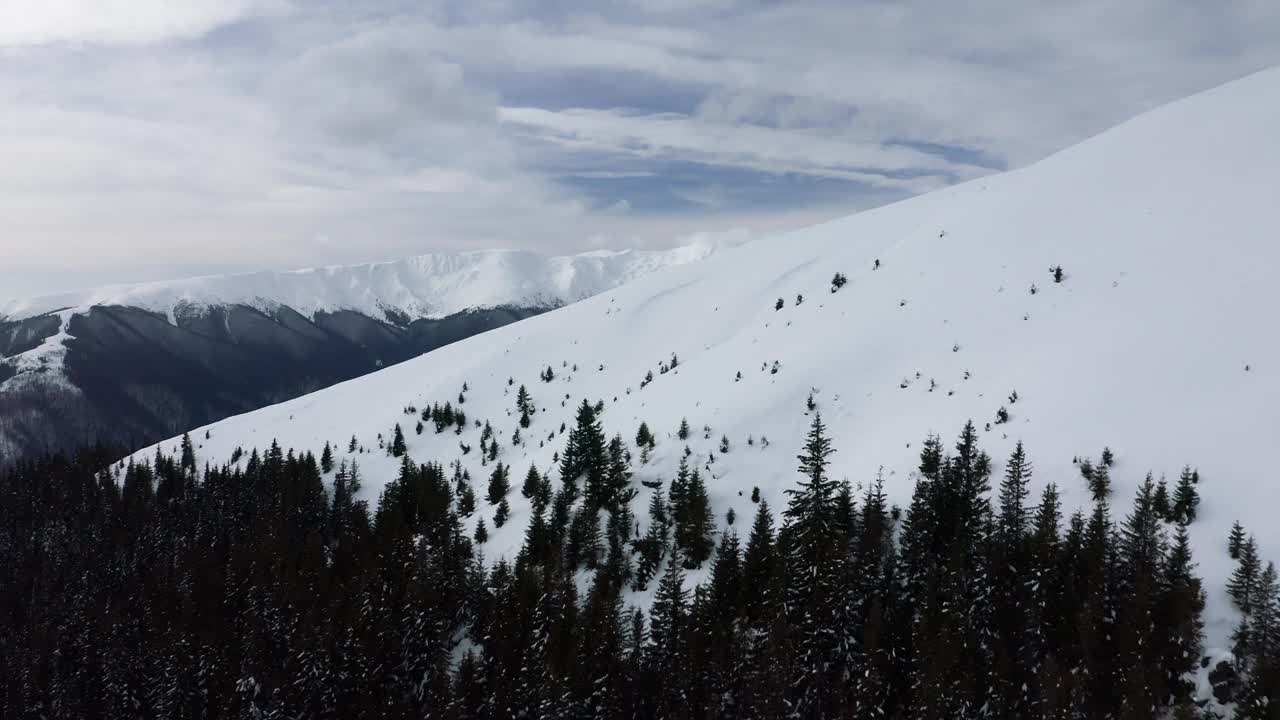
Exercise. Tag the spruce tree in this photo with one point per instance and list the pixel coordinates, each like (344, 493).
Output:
(1243, 585)
(532, 483)
(668, 656)
(683, 432)
(692, 516)
(617, 474)
(1161, 502)
(482, 532)
(397, 443)
(326, 459)
(652, 547)
(1235, 541)
(1013, 495)
(1178, 624)
(585, 454)
(814, 572)
(1186, 499)
(760, 568)
(188, 461)
(643, 436)
(499, 484)
(502, 513)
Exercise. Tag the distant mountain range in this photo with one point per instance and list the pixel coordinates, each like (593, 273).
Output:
(132, 364)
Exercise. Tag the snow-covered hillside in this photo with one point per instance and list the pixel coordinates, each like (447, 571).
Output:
(425, 286)
(1160, 342)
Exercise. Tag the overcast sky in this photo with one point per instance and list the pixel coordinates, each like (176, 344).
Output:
(142, 139)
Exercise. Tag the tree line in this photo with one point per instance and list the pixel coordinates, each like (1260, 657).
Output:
(269, 590)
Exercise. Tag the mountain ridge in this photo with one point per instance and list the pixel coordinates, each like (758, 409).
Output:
(132, 363)
(432, 285)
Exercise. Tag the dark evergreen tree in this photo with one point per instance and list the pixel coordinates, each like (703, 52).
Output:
(397, 442)
(1235, 541)
(643, 436)
(692, 516)
(668, 636)
(814, 572)
(188, 461)
(585, 456)
(532, 483)
(652, 548)
(502, 513)
(683, 432)
(1161, 502)
(1186, 499)
(1243, 586)
(499, 484)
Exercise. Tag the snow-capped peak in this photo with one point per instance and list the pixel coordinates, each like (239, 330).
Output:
(424, 286)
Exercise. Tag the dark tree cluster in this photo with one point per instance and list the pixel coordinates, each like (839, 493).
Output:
(262, 592)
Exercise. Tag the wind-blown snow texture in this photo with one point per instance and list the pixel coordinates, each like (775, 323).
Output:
(1160, 343)
(425, 286)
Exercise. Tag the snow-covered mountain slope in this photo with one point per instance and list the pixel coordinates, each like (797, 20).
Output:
(1160, 342)
(425, 286)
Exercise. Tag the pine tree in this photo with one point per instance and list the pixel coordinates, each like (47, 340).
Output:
(1178, 622)
(668, 656)
(499, 484)
(814, 571)
(1013, 495)
(618, 475)
(643, 436)
(326, 459)
(1186, 499)
(502, 513)
(482, 532)
(1161, 502)
(760, 568)
(1141, 549)
(683, 432)
(188, 461)
(532, 483)
(1243, 585)
(724, 445)
(585, 454)
(1235, 541)
(1014, 647)
(694, 519)
(1099, 477)
(397, 443)
(653, 546)
(583, 547)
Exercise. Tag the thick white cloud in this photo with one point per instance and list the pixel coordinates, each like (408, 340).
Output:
(207, 135)
(120, 22)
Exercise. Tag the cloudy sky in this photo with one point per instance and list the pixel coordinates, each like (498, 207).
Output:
(141, 139)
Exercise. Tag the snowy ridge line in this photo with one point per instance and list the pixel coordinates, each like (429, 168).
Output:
(425, 286)
(1118, 294)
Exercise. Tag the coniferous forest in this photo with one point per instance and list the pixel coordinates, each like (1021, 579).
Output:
(270, 591)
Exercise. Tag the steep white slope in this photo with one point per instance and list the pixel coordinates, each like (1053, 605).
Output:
(425, 286)
(1161, 342)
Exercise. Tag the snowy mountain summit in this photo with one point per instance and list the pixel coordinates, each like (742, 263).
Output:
(424, 286)
(1120, 294)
